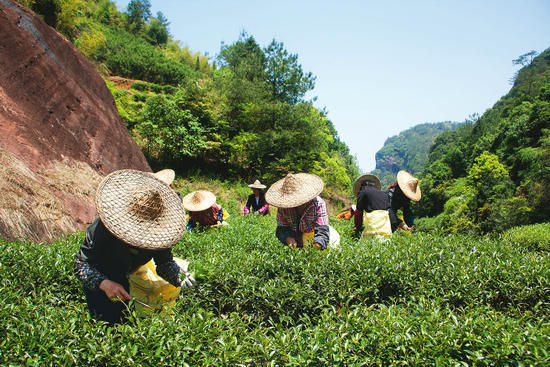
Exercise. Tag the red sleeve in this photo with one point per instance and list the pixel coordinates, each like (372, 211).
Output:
(358, 219)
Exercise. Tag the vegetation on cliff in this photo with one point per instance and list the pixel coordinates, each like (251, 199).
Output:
(244, 114)
(494, 173)
(408, 150)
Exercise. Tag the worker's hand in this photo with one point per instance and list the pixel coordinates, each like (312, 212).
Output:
(114, 291)
(188, 281)
(403, 226)
(291, 241)
(413, 229)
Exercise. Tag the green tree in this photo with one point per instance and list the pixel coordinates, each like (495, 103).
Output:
(157, 31)
(244, 58)
(285, 77)
(139, 12)
(169, 132)
(49, 9)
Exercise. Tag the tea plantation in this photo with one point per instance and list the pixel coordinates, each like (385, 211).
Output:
(420, 299)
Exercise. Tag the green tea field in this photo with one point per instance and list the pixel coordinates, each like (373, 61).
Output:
(421, 299)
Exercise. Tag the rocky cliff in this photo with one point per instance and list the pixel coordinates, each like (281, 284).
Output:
(59, 130)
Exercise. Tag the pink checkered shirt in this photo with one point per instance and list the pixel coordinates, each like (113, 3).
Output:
(315, 214)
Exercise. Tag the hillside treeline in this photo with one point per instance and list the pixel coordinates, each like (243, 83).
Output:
(243, 115)
(408, 150)
(494, 172)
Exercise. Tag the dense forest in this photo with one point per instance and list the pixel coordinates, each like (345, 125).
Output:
(494, 172)
(408, 150)
(242, 114)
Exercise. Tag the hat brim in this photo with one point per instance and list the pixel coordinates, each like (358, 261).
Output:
(114, 197)
(403, 177)
(309, 186)
(166, 175)
(363, 178)
(257, 186)
(208, 199)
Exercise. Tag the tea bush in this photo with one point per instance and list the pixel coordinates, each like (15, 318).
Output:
(531, 237)
(421, 299)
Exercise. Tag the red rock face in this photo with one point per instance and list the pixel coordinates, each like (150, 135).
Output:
(56, 115)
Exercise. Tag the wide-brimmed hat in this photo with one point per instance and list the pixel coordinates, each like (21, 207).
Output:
(140, 209)
(198, 201)
(294, 190)
(257, 185)
(363, 178)
(409, 185)
(166, 175)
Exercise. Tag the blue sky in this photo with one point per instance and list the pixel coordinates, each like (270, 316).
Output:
(381, 66)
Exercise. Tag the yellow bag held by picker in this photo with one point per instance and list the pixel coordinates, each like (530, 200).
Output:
(377, 223)
(152, 293)
(334, 238)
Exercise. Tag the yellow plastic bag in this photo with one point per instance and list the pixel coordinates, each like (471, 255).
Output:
(377, 223)
(334, 238)
(148, 287)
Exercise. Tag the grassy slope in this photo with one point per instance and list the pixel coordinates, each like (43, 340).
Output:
(421, 299)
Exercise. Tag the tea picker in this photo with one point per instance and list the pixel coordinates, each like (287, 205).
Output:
(405, 189)
(140, 219)
(203, 210)
(374, 216)
(256, 203)
(302, 217)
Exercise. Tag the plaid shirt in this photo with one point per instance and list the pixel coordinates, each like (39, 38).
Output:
(315, 214)
(207, 217)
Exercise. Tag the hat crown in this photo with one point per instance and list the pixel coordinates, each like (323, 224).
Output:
(413, 184)
(147, 205)
(290, 184)
(197, 198)
(140, 210)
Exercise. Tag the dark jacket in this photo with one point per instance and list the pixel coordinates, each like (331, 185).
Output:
(253, 206)
(104, 256)
(398, 200)
(370, 199)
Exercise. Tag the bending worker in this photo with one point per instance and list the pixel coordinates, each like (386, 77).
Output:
(376, 204)
(405, 189)
(140, 218)
(301, 212)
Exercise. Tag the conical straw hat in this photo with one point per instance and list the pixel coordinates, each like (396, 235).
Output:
(166, 175)
(409, 185)
(363, 178)
(257, 185)
(294, 190)
(140, 210)
(200, 200)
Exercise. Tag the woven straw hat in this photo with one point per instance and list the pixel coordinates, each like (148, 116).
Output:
(294, 190)
(140, 209)
(257, 185)
(363, 178)
(409, 185)
(198, 201)
(166, 175)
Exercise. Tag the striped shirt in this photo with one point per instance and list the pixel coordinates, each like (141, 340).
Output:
(315, 214)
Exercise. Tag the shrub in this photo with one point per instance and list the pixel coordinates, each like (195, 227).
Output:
(532, 237)
(132, 57)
